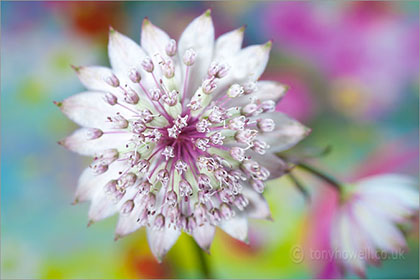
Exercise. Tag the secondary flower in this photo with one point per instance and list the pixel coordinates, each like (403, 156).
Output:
(367, 220)
(183, 134)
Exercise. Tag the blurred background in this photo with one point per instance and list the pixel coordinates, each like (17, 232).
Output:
(353, 72)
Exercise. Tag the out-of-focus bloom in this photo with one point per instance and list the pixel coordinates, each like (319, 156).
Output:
(367, 220)
(367, 50)
(182, 133)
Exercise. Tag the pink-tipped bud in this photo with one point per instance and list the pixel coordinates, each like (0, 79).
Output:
(148, 65)
(163, 176)
(171, 198)
(204, 182)
(235, 90)
(127, 180)
(217, 138)
(171, 48)
(110, 99)
(241, 202)
(134, 76)
(180, 166)
(143, 166)
(215, 216)
(127, 207)
(266, 125)
(150, 201)
(250, 109)
(237, 153)
(168, 68)
(170, 98)
(237, 123)
(200, 213)
(138, 127)
(260, 146)
(118, 122)
(131, 97)
(189, 57)
(112, 81)
(155, 94)
(93, 133)
(268, 106)
(185, 188)
(258, 186)
(246, 136)
(208, 86)
(250, 87)
(202, 126)
(146, 116)
(145, 187)
(159, 222)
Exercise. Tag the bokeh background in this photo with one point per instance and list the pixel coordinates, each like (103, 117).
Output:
(353, 71)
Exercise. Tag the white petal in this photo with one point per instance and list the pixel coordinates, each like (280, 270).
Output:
(237, 227)
(153, 40)
(287, 132)
(228, 44)
(273, 163)
(258, 207)
(124, 53)
(160, 241)
(93, 78)
(78, 142)
(89, 182)
(266, 90)
(127, 223)
(204, 235)
(199, 36)
(381, 231)
(89, 109)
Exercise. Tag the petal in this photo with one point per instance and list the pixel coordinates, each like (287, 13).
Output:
(89, 109)
(273, 163)
(89, 182)
(287, 132)
(160, 241)
(199, 35)
(124, 53)
(93, 77)
(79, 143)
(228, 44)
(103, 206)
(204, 235)
(381, 231)
(237, 227)
(154, 41)
(266, 90)
(258, 207)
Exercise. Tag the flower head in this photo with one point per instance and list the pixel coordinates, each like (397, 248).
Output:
(367, 220)
(183, 134)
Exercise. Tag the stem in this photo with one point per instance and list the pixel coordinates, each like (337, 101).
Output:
(327, 178)
(204, 265)
(300, 187)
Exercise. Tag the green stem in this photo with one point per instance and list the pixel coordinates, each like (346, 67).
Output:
(327, 178)
(300, 187)
(204, 265)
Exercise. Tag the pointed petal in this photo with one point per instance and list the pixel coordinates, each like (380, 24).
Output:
(266, 90)
(199, 35)
(287, 132)
(89, 109)
(79, 143)
(103, 206)
(237, 227)
(160, 241)
(93, 78)
(228, 44)
(273, 163)
(204, 235)
(127, 223)
(124, 54)
(258, 207)
(89, 182)
(153, 40)
(382, 232)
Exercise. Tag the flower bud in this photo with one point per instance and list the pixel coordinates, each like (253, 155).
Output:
(235, 90)
(112, 81)
(208, 86)
(237, 153)
(258, 185)
(266, 125)
(131, 97)
(118, 121)
(189, 57)
(110, 99)
(127, 207)
(171, 48)
(93, 133)
(159, 222)
(148, 65)
(134, 76)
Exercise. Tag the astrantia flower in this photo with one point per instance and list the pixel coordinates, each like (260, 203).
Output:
(367, 220)
(182, 134)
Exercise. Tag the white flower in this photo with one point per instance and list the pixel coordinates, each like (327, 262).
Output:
(178, 161)
(367, 220)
